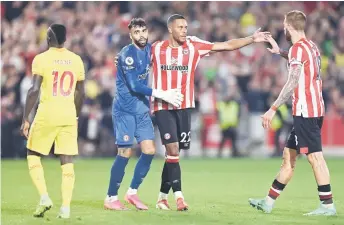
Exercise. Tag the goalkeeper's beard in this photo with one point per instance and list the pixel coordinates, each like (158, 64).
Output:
(141, 43)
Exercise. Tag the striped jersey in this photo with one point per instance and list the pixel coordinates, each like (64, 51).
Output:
(174, 67)
(307, 97)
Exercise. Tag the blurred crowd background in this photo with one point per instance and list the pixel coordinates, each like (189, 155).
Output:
(98, 30)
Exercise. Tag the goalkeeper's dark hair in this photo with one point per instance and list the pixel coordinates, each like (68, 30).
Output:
(174, 17)
(137, 22)
(59, 31)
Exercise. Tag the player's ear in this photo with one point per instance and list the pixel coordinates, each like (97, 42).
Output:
(289, 27)
(130, 36)
(169, 29)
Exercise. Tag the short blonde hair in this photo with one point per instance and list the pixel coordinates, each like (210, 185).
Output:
(296, 19)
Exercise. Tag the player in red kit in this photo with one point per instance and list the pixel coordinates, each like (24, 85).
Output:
(174, 64)
(305, 86)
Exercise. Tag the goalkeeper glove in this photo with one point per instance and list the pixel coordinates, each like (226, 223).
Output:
(172, 96)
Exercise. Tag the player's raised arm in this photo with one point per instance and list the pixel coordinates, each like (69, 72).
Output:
(234, 44)
(275, 49)
(31, 99)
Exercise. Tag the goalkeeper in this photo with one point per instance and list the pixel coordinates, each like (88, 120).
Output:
(131, 114)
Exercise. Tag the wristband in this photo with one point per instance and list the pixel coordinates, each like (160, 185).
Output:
(280, 51)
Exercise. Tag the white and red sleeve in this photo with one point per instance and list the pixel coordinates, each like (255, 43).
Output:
(203, 47)
(295, 55)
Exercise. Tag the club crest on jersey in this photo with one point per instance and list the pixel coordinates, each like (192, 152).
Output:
(167, 136)
(129, 61)
(185, 51)
(125, 138)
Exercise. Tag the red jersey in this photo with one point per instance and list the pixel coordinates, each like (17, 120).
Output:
(175, 68)
(307, 98)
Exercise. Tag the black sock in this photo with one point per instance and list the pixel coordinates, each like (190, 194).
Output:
(165, 184)
(325, 194)
(174, 173)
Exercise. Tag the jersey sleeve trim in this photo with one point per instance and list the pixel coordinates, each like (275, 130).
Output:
(295, 55)
(81, 74)
(36, 66)
(203, 47)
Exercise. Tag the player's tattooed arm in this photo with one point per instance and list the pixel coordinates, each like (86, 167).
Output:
(32, 96)
(79, 96)
(293, 80)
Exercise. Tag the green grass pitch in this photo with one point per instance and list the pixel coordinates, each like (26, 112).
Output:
(216, 191)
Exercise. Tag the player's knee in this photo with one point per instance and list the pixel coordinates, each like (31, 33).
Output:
(286, 158)
(124, 152)
(316, 159)
(65, 159)
(293, 164)
(172, 149)
(289, 158)
(149, 151)
(288, 166)
(148, 147)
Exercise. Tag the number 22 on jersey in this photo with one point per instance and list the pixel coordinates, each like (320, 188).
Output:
(59, 83)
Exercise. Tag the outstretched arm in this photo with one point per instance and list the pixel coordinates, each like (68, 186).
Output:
(275, 49)
(241, 42)
(287, 91)
(231, 45)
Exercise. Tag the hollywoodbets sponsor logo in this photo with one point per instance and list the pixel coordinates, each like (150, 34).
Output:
(183, 69)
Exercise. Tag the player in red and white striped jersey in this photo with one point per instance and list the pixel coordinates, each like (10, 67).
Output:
(175, 68)
(305, 86)
(174, 64)
(307, 96)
